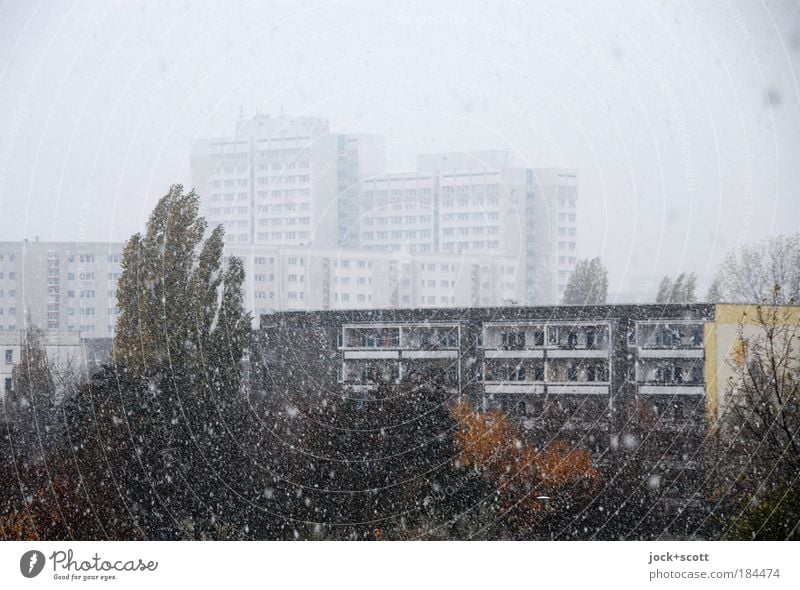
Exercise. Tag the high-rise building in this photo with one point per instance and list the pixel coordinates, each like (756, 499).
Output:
(398, 212)
(552, 232)
(283, 180)
(479, 203)
(293, 182)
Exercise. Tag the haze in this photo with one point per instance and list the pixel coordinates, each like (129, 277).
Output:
(683, 119)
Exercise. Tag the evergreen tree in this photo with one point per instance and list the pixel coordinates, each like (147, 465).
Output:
(32, 404)
(588, 284)
(375, 466)
(171, 416)
(180, 312)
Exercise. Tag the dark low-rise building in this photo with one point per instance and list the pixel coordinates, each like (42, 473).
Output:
(614, 379)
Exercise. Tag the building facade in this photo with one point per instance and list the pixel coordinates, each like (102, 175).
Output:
(283, 181)
(60, 286)
(293, 182)
(71, 287)
(479, 203)
(613, 379)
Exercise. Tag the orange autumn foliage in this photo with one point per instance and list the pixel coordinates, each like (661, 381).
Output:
(17, 527)
(530, 483)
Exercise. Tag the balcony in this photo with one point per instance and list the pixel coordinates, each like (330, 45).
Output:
(551, 376)
(535, 340)
(363, 374)
(669, 340)
(670, 376)
(394, 341)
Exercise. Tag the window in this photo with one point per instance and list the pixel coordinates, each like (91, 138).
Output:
(512, 340)
(572, 373)
(9, 384)
(9, 356)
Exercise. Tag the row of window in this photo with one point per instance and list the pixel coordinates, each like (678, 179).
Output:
(280, 207)
(345, 297)
(345, 263)
(277, 236)
(482, 216)
(228, 210)
(396, 206)
(474, 202)
(397, 192)
(285, 193)
(396, 235)
(471, 188)
(284, 153)
(277, 221)
(397, 220)
(287, 166)
(361, 281)
(302, 178)
(477, 231)
(477, 245)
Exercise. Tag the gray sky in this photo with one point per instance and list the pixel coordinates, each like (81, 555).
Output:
(682, 118)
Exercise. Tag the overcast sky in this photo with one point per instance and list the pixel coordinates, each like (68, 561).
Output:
(682, 118)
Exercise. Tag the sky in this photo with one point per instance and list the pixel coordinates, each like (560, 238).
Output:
(682, 118)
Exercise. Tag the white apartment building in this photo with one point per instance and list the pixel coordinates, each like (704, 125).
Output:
(398, 212)
(479, 203)
(59, 286)
(552, 222)
(285, 181)
(292, 182)
(297, 278)
(70, 287)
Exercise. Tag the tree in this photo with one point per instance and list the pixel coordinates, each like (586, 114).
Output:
(178, 308)
(377, 465)
(168, 428)
(757, 455)
(588, 284)
(32, 404)
(537, 490)
(683, 289)
(767, 272)
(652, 488)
